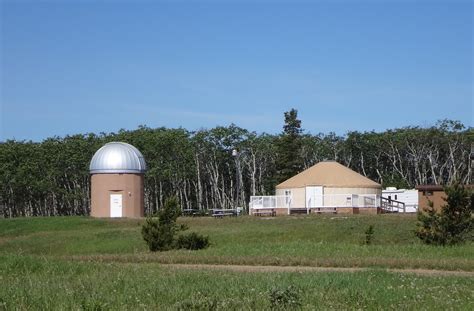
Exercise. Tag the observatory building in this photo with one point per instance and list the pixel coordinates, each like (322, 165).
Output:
(117, 171)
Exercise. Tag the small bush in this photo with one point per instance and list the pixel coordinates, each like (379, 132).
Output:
(453, 224)
(159, 232)
(158, 237)
(192, 241)
(284, 299)
(369, 235)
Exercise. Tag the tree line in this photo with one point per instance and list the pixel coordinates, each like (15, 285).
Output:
(52, 178)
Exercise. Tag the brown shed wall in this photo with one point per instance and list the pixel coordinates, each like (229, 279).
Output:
(129, 185)
(437, 198)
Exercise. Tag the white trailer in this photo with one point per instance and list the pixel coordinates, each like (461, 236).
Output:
(407, 196)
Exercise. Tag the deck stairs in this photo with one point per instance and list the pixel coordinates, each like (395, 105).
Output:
(298, 211)
(392, 206)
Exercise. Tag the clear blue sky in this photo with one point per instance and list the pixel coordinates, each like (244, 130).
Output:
(72, 67)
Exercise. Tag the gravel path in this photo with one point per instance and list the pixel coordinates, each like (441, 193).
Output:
(240, 268)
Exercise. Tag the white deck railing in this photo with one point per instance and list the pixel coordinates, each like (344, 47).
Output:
(316, 201)
(269, 202)
(393, 205)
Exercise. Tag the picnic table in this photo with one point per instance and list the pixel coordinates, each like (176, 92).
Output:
(221, 213)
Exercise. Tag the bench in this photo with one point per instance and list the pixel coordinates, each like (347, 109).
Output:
(221, 213)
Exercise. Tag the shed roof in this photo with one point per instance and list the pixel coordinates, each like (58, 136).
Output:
(329, 174)
(438, 187)
(429, 188)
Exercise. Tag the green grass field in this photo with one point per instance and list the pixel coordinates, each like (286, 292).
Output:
(93, 264)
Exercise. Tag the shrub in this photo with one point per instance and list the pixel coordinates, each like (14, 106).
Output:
(284, 299)
(192, 241)
(158, 237)
(453, 224)
(159, 232)
(369, 235)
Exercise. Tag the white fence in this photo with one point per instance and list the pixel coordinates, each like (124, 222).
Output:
(344, 200)
(315, 201)
(270, 201)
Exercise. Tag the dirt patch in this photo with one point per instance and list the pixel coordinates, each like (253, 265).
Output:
(263, 262)
(253, 269)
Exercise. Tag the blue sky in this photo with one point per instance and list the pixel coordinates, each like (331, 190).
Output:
(72, 67)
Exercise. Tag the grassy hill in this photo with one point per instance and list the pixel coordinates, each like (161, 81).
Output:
(84, 263)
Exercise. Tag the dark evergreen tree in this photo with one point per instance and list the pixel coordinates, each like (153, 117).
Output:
(159, 232)
(289, 161)
(453, 224)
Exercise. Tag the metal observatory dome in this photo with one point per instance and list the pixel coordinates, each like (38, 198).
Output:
(117, 181)
(117, 157)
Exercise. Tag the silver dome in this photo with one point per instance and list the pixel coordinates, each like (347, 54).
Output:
(117, 157)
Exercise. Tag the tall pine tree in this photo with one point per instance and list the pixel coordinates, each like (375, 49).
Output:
(289, 144)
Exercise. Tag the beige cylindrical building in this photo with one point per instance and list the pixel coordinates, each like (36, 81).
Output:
(329, 184)
(117, 171)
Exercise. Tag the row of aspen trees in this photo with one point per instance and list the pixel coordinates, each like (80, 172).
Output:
(52, 178)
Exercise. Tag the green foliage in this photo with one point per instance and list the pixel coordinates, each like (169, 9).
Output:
(288, 298)
(320, 240)
(63, 284)
(93, 305)
(292, 125)
(289, 144)
(159, 232)
(369, 235)
(453, 224)
(395, 180)
(193, 241)
(170, 212)
(51, 178)
(198, 303)
(158, 237)
(202, 302)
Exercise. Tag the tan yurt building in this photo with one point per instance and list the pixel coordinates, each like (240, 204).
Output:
(329, 186)
(117, 170)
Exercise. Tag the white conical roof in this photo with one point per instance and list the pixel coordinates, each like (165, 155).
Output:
(117, 157)
(329, 174)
